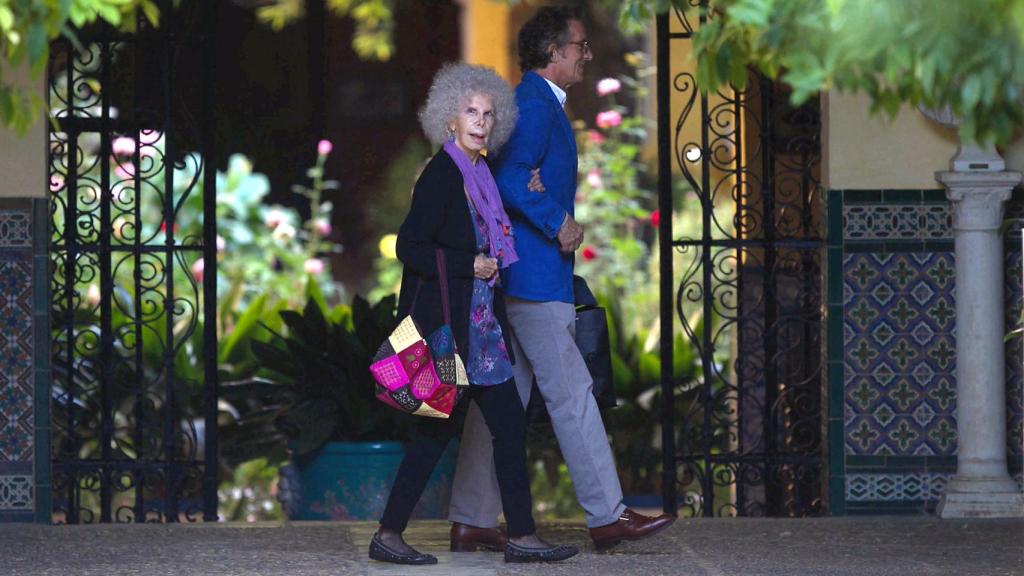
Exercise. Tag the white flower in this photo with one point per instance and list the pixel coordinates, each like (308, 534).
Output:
(608, 86)
(92, 295)
(274, 217)
(123, 146)
(284, 231)
(314, 266)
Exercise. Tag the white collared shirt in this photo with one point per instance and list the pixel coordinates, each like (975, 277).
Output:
(559, 93)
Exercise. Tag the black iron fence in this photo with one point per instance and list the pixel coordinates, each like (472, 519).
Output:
(134, 272)
(742, 282)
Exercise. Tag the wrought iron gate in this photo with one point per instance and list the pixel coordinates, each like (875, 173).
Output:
(134, 403)
(741, 284)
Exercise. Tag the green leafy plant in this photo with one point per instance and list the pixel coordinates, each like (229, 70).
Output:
(249, 494)
(265, 250)
(614, 201)
(264, 257)
(315, 385)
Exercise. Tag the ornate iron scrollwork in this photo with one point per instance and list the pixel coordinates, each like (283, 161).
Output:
(125, 303)
(744, 438)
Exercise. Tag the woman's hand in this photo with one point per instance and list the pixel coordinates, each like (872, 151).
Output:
(484, 267)
(535, 184)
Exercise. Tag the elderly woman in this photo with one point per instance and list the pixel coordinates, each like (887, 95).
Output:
(456, 207)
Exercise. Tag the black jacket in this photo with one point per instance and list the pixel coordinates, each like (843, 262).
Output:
(440, 218)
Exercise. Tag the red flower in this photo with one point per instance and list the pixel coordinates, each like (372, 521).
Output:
(589, 253)
(655, 218)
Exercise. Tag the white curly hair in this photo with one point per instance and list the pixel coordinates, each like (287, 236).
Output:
(453, 86)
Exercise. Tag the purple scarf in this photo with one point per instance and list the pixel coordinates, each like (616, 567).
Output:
(483, 192)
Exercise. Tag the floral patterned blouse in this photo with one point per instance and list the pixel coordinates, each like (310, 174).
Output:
(487, 363)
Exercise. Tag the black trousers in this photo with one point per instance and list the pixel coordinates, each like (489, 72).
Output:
(503, 412)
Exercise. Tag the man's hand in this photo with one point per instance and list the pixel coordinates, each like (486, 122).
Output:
(484, 267)
(535, 184)
(570, 235)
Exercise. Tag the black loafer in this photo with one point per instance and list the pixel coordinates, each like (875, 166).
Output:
(379, 551)
(522, 554)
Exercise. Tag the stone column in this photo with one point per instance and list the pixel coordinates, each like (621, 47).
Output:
(982, 487)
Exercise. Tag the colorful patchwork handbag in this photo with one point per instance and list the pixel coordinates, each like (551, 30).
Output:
(422, 376)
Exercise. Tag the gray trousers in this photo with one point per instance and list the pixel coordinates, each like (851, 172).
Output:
(543, 344)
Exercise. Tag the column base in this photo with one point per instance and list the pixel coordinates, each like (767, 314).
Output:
(981, 497)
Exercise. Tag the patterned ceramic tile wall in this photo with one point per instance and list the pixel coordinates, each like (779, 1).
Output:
(15, 231)
(15, 359)
(895, 487)
(899, 354)
(893, 350)
(17, 383)
(899, 487)
(897, 222)
(24, 362)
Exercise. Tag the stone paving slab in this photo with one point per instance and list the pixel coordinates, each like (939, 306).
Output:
(868, 546)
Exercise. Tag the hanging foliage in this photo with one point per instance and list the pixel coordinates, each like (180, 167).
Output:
(28, 26)
(965, 54)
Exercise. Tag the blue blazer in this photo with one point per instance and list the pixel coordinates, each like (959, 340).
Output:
(542, 138)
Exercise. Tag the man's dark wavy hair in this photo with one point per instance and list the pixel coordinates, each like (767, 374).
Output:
(549, 24)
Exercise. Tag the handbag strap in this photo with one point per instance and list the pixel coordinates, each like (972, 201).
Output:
(442, 278)
(416, 295)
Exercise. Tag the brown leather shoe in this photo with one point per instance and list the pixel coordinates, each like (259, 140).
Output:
(630, 526)
(466, 538)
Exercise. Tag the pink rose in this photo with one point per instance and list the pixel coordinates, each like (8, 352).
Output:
(323, 226)
(594, 178)
(595, 137)
(56, 182)
(608, 86)
(150, 136)
(324, 147)
(124, 171)
(314, 266)
(656, 218)
(123, 146)
(198, 267)
(608, 119)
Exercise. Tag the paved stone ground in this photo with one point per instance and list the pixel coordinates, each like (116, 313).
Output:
(875, 546)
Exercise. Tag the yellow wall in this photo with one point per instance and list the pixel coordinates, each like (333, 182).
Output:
(23, 158)
(865, 151)
(486, 35)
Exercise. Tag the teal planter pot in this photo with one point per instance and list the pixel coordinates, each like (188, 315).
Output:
(351, 481)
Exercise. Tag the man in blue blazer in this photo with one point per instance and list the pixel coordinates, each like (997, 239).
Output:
(553, 50)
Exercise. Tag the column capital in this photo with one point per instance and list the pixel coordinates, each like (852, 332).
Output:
(978, 197)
